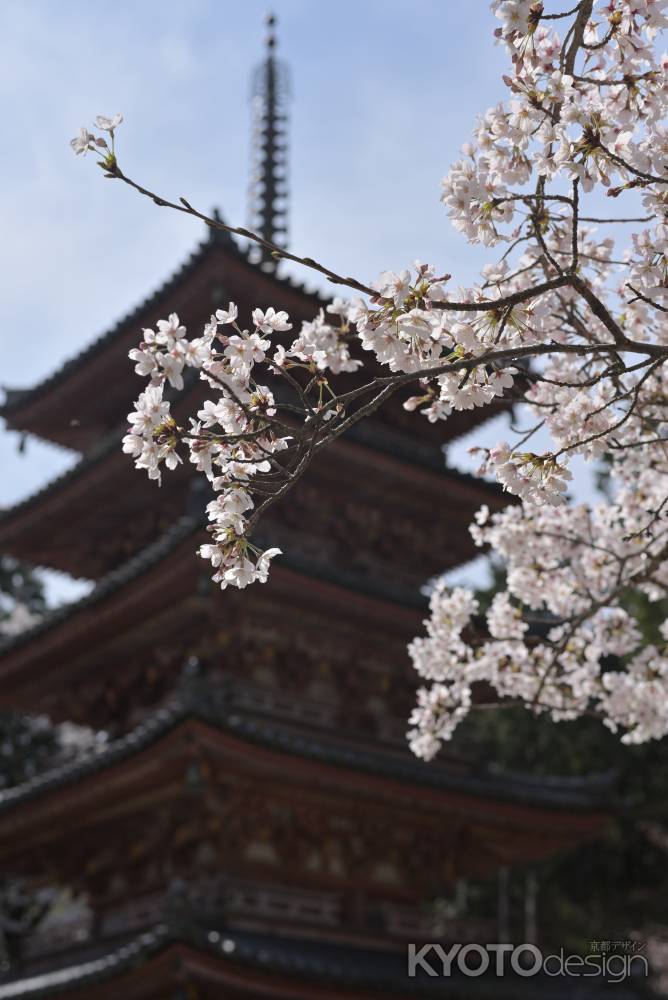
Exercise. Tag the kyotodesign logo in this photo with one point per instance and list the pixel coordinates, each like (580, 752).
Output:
(524, 960)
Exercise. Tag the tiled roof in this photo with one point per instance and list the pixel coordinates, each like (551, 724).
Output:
(368, 433)
(110, 583)
(378, 438)
(348, 967)
(104, 447)
(151, 555)
(196, 698)
(97, 970)
(16, 398)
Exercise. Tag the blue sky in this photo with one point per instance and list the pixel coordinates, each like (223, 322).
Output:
(384, 94)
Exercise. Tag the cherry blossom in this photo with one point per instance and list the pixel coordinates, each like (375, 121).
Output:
(108, 124)
(271, 321)
(83, 141)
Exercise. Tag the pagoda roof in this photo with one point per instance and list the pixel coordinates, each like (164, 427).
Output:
(165, 589)
(167, 543)
(87, 395)
(188, 527)
(283, 967)
(214, 705)
(206, 741)
(373, 436)
(25, 528)
(216, 244)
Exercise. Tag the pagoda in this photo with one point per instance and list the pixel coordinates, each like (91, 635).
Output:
(254, 825)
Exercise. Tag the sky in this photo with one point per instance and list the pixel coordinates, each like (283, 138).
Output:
(384, 93)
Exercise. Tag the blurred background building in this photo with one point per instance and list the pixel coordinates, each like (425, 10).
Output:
(222, 803)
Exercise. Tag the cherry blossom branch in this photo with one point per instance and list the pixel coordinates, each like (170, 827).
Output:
(645, 298)
(598, 383)
(577, 31)
(113, 171)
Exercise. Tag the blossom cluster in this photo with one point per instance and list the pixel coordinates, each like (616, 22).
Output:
(237, 438)
(87, 141)
(557, 638)
(560, 637)
(600, 126)
(232, 438)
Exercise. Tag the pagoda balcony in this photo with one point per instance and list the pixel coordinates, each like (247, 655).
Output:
(234, 905)
(110, 656)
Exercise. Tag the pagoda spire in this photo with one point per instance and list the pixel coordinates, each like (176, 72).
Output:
(268, 184)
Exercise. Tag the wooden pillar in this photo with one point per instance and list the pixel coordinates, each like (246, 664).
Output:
(503, 904)
(530, 900)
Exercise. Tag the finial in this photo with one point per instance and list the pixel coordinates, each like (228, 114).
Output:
(268, 183)
(270, 21)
